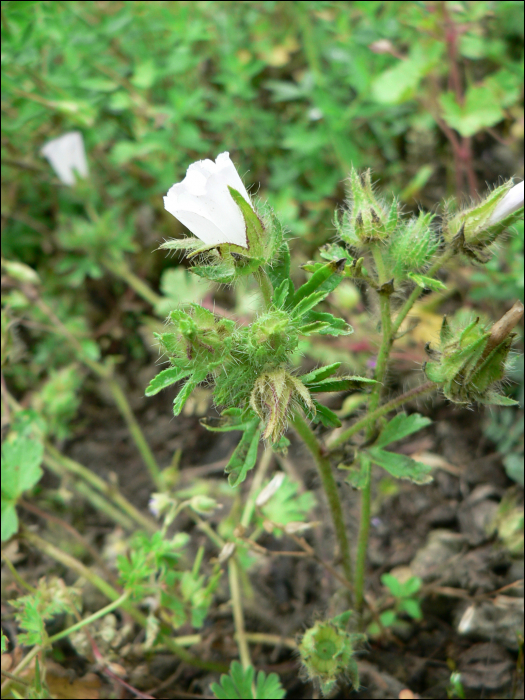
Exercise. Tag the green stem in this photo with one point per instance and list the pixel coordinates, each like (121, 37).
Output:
(417, 291)
(136, 433)
(121, 269)
(260, 473)
(113, 594)
(330, 488)
(371, 418)
(62, 466)
(87, 620)
(265, 285)
(105, 373)
(238, 614)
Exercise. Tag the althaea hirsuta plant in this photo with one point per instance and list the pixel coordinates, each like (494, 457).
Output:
(250, 367)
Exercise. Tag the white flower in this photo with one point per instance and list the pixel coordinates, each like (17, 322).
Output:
(512, 201)
(66, 154)
(203, 203)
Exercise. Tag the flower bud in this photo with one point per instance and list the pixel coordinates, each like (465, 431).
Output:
(326, 651)
(472, 359)
(274, 395)
(367, 219)
(204, 505)
(482, 224)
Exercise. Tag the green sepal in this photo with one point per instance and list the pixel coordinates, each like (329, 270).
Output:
(222, 274)
(320, 373)
(445, 334)
(166, 378)
(245, 454)
(327, 277)
(230, 419)
(401, 466)
(254, 228)
(184, 393)
(325, 416)
(427, 282)
(400, 426)
(189, 243)
(492, 398)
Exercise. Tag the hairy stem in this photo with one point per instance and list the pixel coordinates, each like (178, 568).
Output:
(417, 291)
(330, 488)
(375, 397)
(369, 418)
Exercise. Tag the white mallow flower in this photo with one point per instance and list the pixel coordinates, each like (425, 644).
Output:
(510, 203)
(66, 154)
(204, 204)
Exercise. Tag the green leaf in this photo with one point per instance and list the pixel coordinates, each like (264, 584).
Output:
(336, 326)
(327, 417)
(244, 456)
(269, 687)
(308, 303)
(412, 608)
(281, 294)
(357, 477)
(280, 271)
(427, 282)
(184, 393)
(331, 273)
(230, 419)
(479, 111)
(388, 618)
(320, 373)
(236, 685)
(400, 426)
(401, 466)
(21, 459)
(166, 378)
(393, 584)
(9, 519)
(412, 586)
(287, 506)
(315, 327)
(348, 383)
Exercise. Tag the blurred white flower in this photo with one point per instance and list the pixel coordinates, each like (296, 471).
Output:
(67, 154)
(512, 201)
(203, 202)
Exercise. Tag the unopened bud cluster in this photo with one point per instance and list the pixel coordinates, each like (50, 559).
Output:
(470, 361)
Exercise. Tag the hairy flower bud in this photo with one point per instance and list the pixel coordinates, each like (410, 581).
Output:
(482, 224)
(367, 219)
(472, 359)
(275, 394)
(327, 654)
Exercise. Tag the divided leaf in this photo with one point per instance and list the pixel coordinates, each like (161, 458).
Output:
(400, 426)
(401, 466)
